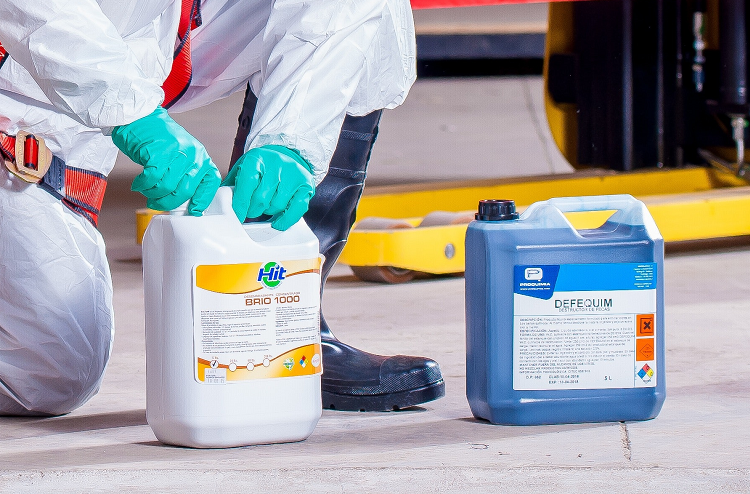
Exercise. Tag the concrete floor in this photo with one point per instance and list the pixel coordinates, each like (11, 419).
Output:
(447, 129)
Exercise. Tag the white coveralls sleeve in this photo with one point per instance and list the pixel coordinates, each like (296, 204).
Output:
(80, 61)
(75, 67)
(323, 59)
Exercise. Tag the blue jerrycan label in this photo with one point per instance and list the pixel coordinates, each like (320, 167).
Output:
(584, 326)
(564, 325)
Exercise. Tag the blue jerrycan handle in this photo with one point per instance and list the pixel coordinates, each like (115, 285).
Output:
(620, 202)
(629, 210)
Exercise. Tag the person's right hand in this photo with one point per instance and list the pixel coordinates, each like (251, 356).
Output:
(272, 180)
(176, 166)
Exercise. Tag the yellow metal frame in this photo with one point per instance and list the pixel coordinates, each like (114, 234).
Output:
(687, 204)
(418, 200)
(562, 117)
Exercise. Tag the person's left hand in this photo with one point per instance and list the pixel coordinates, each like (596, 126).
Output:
(272, 180)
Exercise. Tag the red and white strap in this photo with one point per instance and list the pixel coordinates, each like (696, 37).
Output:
(80, 190)
(3, 55)
(182, 66)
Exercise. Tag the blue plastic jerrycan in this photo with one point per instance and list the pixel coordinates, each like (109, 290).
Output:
(564, 325)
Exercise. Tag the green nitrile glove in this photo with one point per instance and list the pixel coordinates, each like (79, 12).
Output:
(176, 166)
(271, 180)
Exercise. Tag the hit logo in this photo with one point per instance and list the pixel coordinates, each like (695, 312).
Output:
(271, 274)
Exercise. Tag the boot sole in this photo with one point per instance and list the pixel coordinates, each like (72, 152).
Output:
(385, 402)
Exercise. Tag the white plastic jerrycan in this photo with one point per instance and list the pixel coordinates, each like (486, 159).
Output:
(233, 353)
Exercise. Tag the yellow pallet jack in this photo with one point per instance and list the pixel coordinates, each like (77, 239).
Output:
(398, 239)
(632, 128)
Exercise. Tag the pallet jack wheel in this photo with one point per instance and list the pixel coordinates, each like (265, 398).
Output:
(383, 274)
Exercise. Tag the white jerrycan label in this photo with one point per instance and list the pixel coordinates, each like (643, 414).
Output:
(256, 320)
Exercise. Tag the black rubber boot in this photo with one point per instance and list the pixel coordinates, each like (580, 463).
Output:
(353, 380)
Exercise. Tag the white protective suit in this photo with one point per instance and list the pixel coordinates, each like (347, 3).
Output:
(77, 68)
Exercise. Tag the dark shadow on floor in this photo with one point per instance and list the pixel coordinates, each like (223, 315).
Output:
(23, 427)
(373, 435)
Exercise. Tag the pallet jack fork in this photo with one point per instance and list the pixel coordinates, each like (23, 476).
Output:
(400, 237)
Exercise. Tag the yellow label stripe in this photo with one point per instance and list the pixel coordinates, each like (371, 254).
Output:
(237, 279)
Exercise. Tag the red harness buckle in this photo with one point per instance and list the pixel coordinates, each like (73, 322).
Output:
(26, 156)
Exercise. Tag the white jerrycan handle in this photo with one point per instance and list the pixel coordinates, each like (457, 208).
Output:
(222, 202)
(258, 232)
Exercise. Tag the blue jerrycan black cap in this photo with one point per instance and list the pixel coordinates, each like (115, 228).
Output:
(496, 210)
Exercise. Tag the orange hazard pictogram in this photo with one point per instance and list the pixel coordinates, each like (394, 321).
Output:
(644, 349)
(645, 325)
